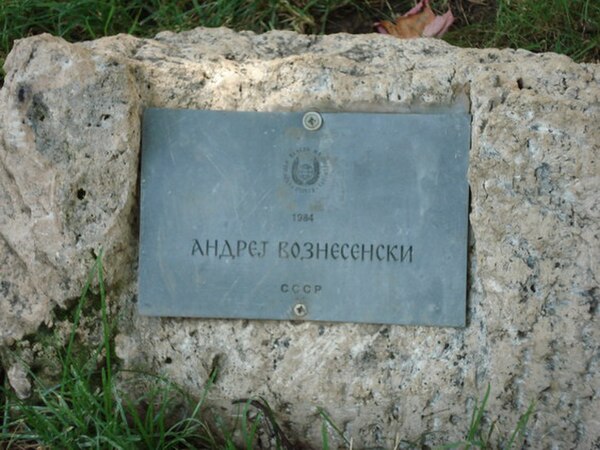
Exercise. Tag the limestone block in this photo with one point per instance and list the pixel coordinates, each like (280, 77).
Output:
(69, 152)
(69, 127)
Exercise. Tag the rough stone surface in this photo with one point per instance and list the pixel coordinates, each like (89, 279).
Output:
(19, 381)
(69, 149)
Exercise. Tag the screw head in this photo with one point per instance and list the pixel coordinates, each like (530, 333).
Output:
(300, 309)
(312, 121)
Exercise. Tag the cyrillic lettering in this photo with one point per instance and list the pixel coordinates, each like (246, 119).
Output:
(379, 247)
(335, 251)
(390, 253)
(252, 248)
(303, 250)
(197, 248)
(226, 251)
(241, 246)
(308, 246)
(282, 250)
(404, 255)
(322, 250)
(363, 251)
(208, 247)
(344, 254)
(264, 249)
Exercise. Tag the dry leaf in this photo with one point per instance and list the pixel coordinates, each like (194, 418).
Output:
(420, 21)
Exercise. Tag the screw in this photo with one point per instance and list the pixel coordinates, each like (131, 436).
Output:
(300, 309)
(312, 121)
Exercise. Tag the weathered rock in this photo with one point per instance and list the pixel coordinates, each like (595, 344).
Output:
(69, 145)
(19, 381)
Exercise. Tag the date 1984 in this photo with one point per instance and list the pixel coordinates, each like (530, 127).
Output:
(303, 217)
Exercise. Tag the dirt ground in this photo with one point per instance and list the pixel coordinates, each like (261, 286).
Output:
(349, 20)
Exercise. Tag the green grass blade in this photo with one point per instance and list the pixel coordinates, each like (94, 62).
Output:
(324, 435)
(76, 319)
(477, 418)
(326, 419)
(108, 21)
(519, 431)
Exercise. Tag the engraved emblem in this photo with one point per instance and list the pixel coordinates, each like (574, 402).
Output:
(305, 172)
(305, 169)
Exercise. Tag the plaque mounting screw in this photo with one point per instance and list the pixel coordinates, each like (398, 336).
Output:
(312, 121)
(300, 309)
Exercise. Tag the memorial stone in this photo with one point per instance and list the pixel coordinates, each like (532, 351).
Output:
(70, 139)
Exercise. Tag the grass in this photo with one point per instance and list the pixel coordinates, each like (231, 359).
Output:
(86, 409)
(480, 436)
(571, 27)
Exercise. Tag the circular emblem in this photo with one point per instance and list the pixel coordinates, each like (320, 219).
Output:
(305, 170)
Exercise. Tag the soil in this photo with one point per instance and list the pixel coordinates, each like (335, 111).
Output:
(350, 20)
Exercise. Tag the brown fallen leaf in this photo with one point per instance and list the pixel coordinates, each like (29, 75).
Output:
(420, 21)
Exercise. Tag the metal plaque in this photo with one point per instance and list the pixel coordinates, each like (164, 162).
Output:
(353, 217)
